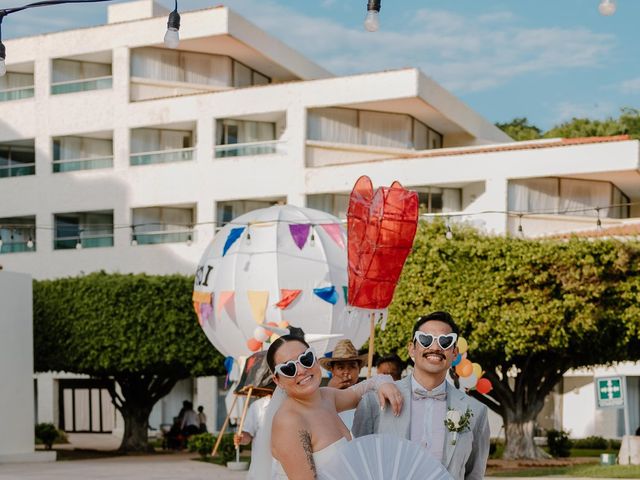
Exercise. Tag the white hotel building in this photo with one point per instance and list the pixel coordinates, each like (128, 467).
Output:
(111, 142)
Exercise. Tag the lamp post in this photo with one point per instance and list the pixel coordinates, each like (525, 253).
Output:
(171, 38)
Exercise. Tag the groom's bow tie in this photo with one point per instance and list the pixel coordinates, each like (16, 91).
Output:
(423, 394)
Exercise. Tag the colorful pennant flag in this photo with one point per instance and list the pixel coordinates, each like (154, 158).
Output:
(287, 297)
(345, 291)
(328, 294)
(300, 233)
(202, 305)
(258, 300)
(234, 234)
(225, 298)
(206, 311)
(334, 230)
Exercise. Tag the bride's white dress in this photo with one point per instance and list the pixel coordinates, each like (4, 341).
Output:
(322, 459)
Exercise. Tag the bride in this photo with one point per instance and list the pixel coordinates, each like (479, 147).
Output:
(306, 428)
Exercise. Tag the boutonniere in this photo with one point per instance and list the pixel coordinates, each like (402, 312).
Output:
(457, 422)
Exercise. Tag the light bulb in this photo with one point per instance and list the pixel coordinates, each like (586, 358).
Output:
(79, 245)
(189, 241)
(172, 38)
(449, 234)
(3, 67)
(372, 21)
(29, 243)
(134, 242)
(607, 7)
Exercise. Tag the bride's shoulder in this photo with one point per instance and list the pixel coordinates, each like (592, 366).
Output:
(287, 418)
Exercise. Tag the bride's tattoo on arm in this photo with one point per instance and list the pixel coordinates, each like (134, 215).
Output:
(305, 440)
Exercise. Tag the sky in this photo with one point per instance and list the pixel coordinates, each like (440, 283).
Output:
(546, 60)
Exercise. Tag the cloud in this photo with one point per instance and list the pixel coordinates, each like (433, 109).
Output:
(565, 111)
(464, 54)
(631, 86)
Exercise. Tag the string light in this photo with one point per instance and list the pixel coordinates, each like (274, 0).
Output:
(372, 20)
(312, 242)
(449, 234)
(30, 242)
(172, 37)
(598, 222)
(520, 229)
(189, 240)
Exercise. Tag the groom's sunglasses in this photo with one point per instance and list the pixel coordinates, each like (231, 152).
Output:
(288, 369)
(445, 341)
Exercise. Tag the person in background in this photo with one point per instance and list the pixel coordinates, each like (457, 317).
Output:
(252, 429)
(345, 365)
(390, 365)
(190, 424)
(202, 419)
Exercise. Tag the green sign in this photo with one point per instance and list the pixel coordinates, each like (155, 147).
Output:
(609, 392)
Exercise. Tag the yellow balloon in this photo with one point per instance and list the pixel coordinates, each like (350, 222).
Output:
(477, 370)
(463, 346)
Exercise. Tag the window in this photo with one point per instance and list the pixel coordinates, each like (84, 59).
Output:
(241, 137)
(166, 72)
(81, 153)
(83, 230)
(17, 234)
(438, 200)
(155, 225)
(151, 145)
(17, 158)
(15, 86)
(334, 203)
(227, 211)
(567, 196)
(70, 76)
(363, 127)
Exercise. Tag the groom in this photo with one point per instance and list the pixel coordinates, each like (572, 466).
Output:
(462, 443)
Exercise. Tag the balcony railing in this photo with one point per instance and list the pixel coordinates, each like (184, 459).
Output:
(82, 164)
(162, 156)
(16, 247)
(84, 85)
(154, 238)
(17, 170)
(87, 241)
(246, 149)
(16, 93)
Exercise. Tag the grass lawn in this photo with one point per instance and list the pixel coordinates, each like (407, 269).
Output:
(591, 471)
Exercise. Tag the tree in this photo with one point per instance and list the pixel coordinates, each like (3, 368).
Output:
(531, 310)
(138, 330)
(627, 124)
(520, 129)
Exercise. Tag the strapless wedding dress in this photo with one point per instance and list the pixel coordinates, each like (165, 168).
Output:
(321, 458)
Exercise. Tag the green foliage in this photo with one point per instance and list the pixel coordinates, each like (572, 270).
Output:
(48, 434)
(202, 443)
(105, 324)
(559, 443)
(592, 442)
(227, 449)
(520, 129)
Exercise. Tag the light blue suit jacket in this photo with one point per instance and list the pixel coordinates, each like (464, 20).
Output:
(467, 459)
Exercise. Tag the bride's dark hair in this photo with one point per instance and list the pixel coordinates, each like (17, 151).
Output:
(295, 334)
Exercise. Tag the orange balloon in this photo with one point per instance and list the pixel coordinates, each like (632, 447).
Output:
(464, 368)
(484, 386)
(254, 345)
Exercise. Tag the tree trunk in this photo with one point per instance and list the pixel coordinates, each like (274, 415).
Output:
(136, 428)
(139, 393)
(520, 443)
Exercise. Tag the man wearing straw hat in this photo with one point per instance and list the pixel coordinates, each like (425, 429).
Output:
(345, 365)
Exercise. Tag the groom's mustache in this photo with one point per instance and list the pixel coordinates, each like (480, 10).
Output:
(434, 352)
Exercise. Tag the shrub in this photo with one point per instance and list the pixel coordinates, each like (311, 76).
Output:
(559, 443)
(592, 442)
(227, 449)
(614, 444)
(202, 443)
(47, 433)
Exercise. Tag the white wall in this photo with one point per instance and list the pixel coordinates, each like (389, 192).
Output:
(16, 370)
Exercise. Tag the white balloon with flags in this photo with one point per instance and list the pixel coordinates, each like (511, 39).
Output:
(277, 266)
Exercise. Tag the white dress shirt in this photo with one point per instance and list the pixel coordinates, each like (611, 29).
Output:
(427, 420)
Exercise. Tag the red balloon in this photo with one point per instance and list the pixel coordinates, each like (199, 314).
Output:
(254, 345)
(484, 386)
(381, 228)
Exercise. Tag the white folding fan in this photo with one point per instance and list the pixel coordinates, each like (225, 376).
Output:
(382, 457)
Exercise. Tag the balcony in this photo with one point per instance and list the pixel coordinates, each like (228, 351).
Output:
(83, 230)
(247, 149)
(71, 153)
(82, 74)
(17, 158)
(167, 224)
(16, 85)
(161, 145)
(17, 234)
(227, 211)
(249, 136)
